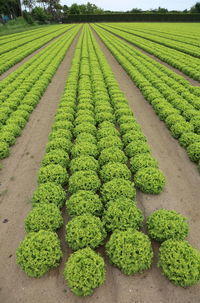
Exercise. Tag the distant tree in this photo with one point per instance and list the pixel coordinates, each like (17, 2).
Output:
(10, 8)
(135, 10)
(29, 4)
(162, 10)
(39, 14)
(195, 8)
(74, 9)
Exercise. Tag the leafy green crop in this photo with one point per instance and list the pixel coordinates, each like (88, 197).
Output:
(130, 251)
(85, 230)
(112, 154)
(60, 133)
(84, 148)
(84, 180)
(59, 143)
(118, 188)
(193, 151)
(114, 170)
(149, 180)
(110, 141)
(107, 131)
(56, 156)
(85, 137)
(179, 262)
(43, 216)
(39, 252)
(142, 161)
(188, 138)
(137, 147)
(167, 224)
(84, 201)
(4, 150)
(122, 215)
(132, 136)
(84, 271)
(84, 163)
(53, 173)
(49, 193)
(85, 127)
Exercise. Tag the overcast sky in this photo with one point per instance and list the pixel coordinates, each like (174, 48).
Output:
(129, 4)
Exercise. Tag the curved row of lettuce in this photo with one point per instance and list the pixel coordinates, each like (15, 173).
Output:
(181, 115)
(20, 93)
(18, 52)
(127, 243)
(41, 249)
(187, 64)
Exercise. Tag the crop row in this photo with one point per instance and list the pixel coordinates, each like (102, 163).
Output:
(16, 109)
(101, 196)
(10, 58)
(169, 96)
(171, 36)
(184, 62)
(6, 47)
(176, 45)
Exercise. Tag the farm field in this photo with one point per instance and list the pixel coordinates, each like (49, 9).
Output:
(100, 164)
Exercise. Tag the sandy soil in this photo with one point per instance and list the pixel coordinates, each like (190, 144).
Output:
(192, 81)
(14, 67)
(18, 181)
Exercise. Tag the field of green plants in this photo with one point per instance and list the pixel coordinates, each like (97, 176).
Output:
(99, 163)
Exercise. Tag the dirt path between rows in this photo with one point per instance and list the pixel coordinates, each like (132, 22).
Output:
(177, 71)
(18, 178)
(182, 193)
(14, 67)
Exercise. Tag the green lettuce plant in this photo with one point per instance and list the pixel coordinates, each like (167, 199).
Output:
(59, 143)
(84, 148)
(114, 170)
(84, 163)
(84, 180)
(110, 141)
(118, 188)
(4, 150)
(166, 224)
(60, 133)
(179, 128)
(122, 215)
(56, 156)
(39, 252)
(53, 173)
(49, 193)
(142, 161)
(84, 271)
(43, 216)
(84, 127)
(179, 262)
(86, 137)
(82, 202)
(107, 131)
(149, 180)
(130, 251)
(193, 151)
(132, 136)
(85, 230)
(188, 138)
(112, 154)
(137, 147)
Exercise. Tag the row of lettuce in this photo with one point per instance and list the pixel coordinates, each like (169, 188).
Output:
(15, 51)
(174, 100)
(181, 46)
(176, 35)
(21, 91)
(10, 45)
(186, 63)
(86, 164)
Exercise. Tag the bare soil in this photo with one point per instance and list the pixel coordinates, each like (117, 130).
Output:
(18, 181)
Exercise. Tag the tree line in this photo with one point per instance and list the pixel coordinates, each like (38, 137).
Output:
(51, 10)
